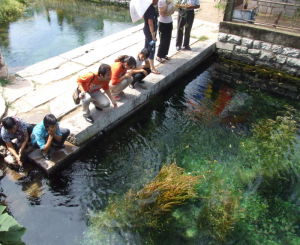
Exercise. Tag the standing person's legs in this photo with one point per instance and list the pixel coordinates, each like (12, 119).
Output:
(100, 100)
(188, 28)
(148, 38)
(168, 37)
(180, 26)
(165, 33)
(117, 89)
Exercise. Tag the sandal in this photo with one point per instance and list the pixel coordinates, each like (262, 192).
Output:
(155, 71)
(160, 60)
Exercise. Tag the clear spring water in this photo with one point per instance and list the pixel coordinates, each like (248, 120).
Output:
(51, 27)
(196, 118)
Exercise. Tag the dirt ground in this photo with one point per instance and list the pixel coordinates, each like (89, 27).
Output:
(209, 12)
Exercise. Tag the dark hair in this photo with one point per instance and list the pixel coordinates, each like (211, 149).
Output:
(8, 123)
(130, 61)
(121, 58)
(145, 52)
(103, 69)
(49, 120)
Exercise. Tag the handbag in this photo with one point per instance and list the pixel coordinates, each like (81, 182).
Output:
(75, 96)
(76, 93)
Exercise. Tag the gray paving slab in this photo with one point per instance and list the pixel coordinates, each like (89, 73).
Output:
(16, 89)
(41, 67)
(59, 73)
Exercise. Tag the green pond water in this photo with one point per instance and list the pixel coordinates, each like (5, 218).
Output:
(198, 123)
(51, 27)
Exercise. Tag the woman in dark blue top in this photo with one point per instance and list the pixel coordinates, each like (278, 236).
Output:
(150, 28)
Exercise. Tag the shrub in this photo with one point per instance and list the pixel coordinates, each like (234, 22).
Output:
(10, 10)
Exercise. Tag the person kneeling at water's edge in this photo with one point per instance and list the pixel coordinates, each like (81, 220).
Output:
(15, 135)
(48, 133)
(90, 85)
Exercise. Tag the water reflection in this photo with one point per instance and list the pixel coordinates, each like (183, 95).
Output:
(51, 27)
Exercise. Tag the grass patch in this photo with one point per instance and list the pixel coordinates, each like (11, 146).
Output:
(203, 38)
(4, 82)
(221, 5)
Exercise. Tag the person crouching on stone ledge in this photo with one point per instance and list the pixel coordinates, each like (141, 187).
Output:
(142, 68)
(121, 75)
(48, 133)
(14, 133)
(90, 85)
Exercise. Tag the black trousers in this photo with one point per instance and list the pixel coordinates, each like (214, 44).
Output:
(65, 133)
(165, 34)
(185, 23)
(138, 77)
(148, 45)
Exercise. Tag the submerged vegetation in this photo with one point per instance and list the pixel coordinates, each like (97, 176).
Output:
(233, 201)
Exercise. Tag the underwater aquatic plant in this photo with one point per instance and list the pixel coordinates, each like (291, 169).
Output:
(149, 208)
(272, 144)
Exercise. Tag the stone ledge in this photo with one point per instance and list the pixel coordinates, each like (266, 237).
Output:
(261, 33)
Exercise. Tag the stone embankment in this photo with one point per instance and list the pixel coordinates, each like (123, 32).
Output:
(275, 50)
(46, 87)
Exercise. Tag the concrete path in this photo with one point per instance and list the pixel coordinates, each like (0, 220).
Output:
(46, 87)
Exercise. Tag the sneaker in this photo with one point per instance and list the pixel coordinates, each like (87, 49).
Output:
(178, 48)
(88, 118)
(187, 48)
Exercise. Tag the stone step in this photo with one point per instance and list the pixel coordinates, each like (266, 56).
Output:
(58, 157)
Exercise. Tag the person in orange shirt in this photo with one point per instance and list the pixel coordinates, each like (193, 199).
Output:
(121, 74)
(90, 85)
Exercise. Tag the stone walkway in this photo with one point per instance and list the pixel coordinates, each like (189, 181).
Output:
(46, 87)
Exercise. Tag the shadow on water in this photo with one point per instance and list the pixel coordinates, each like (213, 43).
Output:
(51, 27)
(196, 120)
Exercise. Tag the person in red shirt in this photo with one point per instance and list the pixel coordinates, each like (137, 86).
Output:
(121, 74)
(90, 85)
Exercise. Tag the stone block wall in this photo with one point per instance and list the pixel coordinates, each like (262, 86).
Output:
(260, 46)
(237, 73)
(3, 68)
(257, 52)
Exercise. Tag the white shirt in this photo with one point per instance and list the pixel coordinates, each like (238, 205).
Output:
(139, 62)
(190, 2)
(170, 6)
